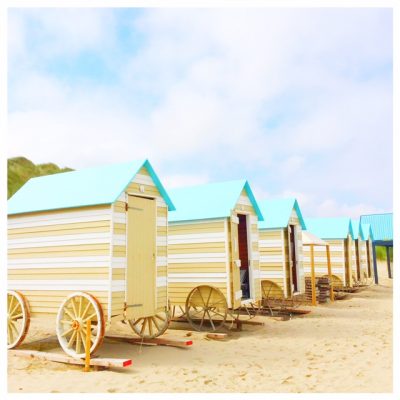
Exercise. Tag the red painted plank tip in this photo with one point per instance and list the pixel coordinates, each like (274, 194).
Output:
(127, 363)
(189, 342)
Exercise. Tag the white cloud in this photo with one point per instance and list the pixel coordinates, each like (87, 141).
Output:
(202, 90)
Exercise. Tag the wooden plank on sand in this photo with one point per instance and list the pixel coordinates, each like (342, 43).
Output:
(63, 358)
(158, 341)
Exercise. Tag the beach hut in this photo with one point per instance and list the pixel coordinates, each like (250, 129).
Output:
(317, 262)
(356, 250)
(366, 250)
(281, 250)
(89, 245)
(213, 257)
(382, 235)
(338, 233)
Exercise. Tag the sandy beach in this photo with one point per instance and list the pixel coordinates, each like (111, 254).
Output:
(340, 347)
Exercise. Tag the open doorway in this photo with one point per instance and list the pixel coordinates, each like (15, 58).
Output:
(293, 256)
(244, 256)
(357, 247)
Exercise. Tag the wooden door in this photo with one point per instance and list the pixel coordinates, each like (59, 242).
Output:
(293, 257)
(235, 261)
(358, 266)
(141, 248)
(347, 261)
(368, 258)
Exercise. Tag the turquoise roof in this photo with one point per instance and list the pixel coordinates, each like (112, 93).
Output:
(86, 187)
(366, 232)
(277, 212)
(329, 228)
(213, 200)
(381, 225)
(355, 225)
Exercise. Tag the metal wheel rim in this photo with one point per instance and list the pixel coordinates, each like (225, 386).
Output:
(206, 311)
(18, 318)
(151, 327)
(71, 321)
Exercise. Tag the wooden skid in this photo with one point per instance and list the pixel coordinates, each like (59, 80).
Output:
(158, 341)
(63, 358)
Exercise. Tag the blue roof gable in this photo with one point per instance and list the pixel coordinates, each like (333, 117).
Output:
(330, 228)
(213, 200)
(86, 187)
(366, 232)
(277, 213)
(381, 225)
(355, 225)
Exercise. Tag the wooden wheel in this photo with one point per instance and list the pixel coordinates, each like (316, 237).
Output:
(336, 282)
(271, 289)
(18, 318)
(206, 308)
(151, 327)
(72, 317)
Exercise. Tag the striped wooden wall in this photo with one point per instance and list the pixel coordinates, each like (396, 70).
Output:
(337, 253)
(274, 256)
(52, 254)
(353, 260)
(199, 254)
(142, 185)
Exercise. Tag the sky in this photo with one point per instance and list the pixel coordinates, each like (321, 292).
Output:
(297, 101)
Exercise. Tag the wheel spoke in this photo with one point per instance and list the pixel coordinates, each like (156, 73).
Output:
(196, 312)
(71, 340)
(66, 321)
(15, 309)
(83, 336)
(160, 318)
(13, 328)
(137, 321)
(202, 319)
(80, 306)
(14, 317)
(66, 311)
(209, 296)
(78, 343)
(156, 324)
(67, 332)
(150, 323)
(90, 317)
(72, 301)
(215, 312)
(86, 309)
(212, 323)
(143, 326)
(9, 335)
(202, 298)
(11, 303)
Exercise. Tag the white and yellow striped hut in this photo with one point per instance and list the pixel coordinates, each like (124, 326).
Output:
(338, 233)
(89, 244)
(281, 250)
(213, 258)
(366, 254)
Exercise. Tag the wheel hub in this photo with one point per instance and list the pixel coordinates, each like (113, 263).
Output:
(76, 324)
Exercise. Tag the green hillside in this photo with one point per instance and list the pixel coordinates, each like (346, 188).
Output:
(20, 170)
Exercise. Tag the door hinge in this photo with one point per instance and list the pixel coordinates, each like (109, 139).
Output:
(126, 206)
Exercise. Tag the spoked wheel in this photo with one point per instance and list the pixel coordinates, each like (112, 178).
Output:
(18, 318)
(71, 324)
(206, 308)
(151, 327)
